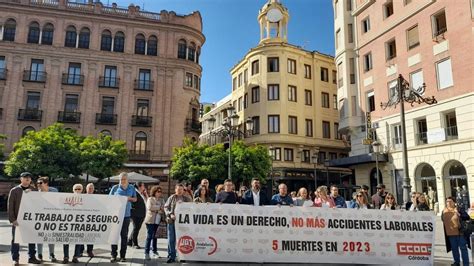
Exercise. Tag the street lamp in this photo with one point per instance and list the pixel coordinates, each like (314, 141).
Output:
(376, 146)
(405, 93)
(326, 163)
(271, 151)
(211, 121)
(315, 162)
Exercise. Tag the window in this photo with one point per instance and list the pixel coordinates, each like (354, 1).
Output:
(275, 154)
(371, 101)
(273, 124)
(451, 126)
(392, 89)
(106, 133)
(71, 104)
(182, 48)
(246, 100)
(191, 51)
(335, 9)
(273, 92)
(390, 49)
(349, 5)
(421, 135)
(74, 74)
(308, 97)
(240, 79)
(388, 9)
(106, 41)
(350, 33)
(143, 106)
(273, 64)
(152, 46)
(33, 100)
(246, 76)
(197, 82)
(110, 77)
(325, 99)
(334, 77)
(26, 130)
(365, 25)
(337, 135)
(352, 70)
(416, 80)
(444, 74)
(367, 62)
(340, 79)
(256, 125)
(198, 53)
(291, 66)
(324, 74)
(354, 105)
(332, 156)
(47, 36)
(9, 30)
(37, 70)
(108, 105)
(334, 101)
(321, 156)
(255, 94)
(140, 44)
(326, 130)
(288, 155)
(397, 134)
(119, 42)
(144, 79)
(291, 93)
(338, 38)
(255, 67)
(412, 37)
(309, 127)
(438, 22)
(189, 80)
(71, 36)
(33, 33)
(306, 156)
(84, 38)
(307, 71)
(140, 142)
(407, 2)
(234, 84)
(292, 125)
(240, 105)
(2, 67)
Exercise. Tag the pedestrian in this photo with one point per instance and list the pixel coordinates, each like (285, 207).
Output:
(13, 206)
(241, 193)
(89, 190)
(390, 203)
(282, 198)
(228, 195)
(126, 190)
(293, 195)
(205, 183)
(379, 198)
(77, 189)
(323, 199)
(170, 207)
(455, 240)
(339, 201)
(422, 203)
(360, 201)
(138, 213)
(365, 189)
(203, 196)
(255, 195)
(43, 186)
(302, 198)
(411, 201)
(188, 190)
(154, 210)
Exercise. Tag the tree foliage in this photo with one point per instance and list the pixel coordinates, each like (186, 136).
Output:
(249, 162)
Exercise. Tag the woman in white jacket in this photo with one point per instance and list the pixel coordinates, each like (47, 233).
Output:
(154, 210)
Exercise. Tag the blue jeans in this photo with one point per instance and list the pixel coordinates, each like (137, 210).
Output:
(171, 242)
(40, 249)
(123, 239)
(459, 243)
(15, 248)
(77, 250)
(150, 238)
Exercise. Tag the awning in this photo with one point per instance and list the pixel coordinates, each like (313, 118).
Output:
(358, 159)
(425, 178)
(146, 165)
(452, 177)
(135, 177)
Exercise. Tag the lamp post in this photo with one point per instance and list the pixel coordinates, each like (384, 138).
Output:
(271, 151)
(315, 162)
(326, 163)
(405, 93)
(376, 146)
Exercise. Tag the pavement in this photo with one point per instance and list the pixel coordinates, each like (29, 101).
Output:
(136, 256)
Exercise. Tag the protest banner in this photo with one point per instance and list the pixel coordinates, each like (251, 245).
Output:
(242, 233)
(65, 218)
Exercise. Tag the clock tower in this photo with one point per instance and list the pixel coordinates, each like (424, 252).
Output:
(273, 19)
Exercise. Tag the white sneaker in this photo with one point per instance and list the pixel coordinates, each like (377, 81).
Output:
(156, 255)
(147, 257)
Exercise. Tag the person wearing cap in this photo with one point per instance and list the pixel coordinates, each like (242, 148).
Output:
(379, 198)
(13, 207)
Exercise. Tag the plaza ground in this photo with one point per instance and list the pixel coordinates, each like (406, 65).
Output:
(136, 256)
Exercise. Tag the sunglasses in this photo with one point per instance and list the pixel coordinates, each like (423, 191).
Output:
(390, 198)
(77, 189)
(360, 195)
(40, 183)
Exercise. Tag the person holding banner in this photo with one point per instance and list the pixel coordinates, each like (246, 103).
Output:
(89, 190)
(455, 240)
(255, 196)
(203, 196)
(13, 206)
(322, 198)
(390, 203)
(138, 213)
(339, 201)
(124, 189)
(170, 206)
(154, 209)
(360, 202)
(282, 198)
(302, 198)
(43, 186)
(228, 195)
(77, 189)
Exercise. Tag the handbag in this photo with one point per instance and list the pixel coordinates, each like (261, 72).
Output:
(161, 231)
(467, 227)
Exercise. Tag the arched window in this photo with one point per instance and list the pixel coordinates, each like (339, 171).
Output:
(47, 36)
(140, 142)
(191, 51)
(140, 44)
(106, 41)
(152, 46)
(106, 133)
(84, 38)
(182, 47)
(33, 33)
(26, 130)
(9, 31)
(198, 53)
(71, 36)
(119, 42)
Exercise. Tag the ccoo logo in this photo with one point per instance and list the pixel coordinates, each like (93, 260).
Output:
(186, 244)
(414, 249)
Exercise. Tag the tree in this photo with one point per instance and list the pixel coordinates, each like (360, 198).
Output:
(52, 151)
(249, 162)
(207, 109)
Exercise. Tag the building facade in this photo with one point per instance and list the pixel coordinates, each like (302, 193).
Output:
(290, 95)
(426, 42)
(123, 72)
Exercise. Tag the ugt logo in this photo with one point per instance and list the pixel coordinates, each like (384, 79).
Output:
(423, 249)
(73, 201)
(186, 244)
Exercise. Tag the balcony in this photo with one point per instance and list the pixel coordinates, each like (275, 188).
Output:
(421, 138)
(69, 117)
(451, 132)
(138, 155)
(34, 76)
(105, 119)
(30, 115)
(144, 85)
(141, 121)
(1, 113)
(3, 73)
(73, 79)
(193, 125)
(109, 82)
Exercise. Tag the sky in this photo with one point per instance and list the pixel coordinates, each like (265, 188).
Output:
(231, 29)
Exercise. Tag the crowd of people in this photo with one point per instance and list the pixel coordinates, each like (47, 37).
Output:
(152, 209)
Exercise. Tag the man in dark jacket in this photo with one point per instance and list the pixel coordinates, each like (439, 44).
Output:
(138, 212)
(255, 196)
(14, 200)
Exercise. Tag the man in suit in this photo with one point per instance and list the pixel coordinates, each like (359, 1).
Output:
(255, 196)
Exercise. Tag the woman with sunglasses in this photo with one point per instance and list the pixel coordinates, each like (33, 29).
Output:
(154, 210)
(360, 202)
(455, 240)
(390, 203)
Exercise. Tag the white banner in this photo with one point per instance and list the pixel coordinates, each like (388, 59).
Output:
(242, 233)
(66, 218)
